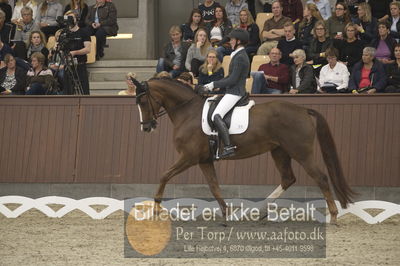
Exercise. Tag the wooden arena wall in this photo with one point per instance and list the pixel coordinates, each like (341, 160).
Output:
(98, 140)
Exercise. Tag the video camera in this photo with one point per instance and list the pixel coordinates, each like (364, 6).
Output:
(65, 21)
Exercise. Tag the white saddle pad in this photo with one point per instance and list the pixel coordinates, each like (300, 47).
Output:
(239, 120)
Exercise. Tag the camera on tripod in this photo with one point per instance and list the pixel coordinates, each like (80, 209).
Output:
(66, 39)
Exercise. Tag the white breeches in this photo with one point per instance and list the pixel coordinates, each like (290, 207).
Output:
(226, 104)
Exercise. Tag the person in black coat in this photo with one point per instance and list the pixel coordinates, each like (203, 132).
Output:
(305, 83)
(247, 23)
(393, 73)
(190, 28)
(375, 81)
(384, 44)
(12, 77)
(350, 48)
(394, 18)
(6, 8)
(367, 25)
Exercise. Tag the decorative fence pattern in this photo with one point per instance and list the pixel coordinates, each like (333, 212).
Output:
(113, 205)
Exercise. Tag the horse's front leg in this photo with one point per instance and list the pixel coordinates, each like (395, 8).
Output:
(208, 170)
(179, 166)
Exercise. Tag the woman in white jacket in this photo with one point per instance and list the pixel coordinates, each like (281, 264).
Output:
(334, 77)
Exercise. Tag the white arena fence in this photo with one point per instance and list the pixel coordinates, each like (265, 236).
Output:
(112, 205)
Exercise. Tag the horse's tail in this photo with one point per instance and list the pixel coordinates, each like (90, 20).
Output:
(328, 148)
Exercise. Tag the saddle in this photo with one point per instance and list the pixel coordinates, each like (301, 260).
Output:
(237, 120)
(228, 117)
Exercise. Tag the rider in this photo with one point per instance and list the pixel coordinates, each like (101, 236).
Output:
(234, 83)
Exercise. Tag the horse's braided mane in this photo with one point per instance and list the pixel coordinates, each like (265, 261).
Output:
(174, 82)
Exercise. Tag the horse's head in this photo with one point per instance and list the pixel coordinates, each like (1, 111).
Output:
(148, 106)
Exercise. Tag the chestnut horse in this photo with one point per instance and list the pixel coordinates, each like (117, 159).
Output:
(285, 129)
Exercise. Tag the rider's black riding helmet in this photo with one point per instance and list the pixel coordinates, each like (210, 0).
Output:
(240, 34)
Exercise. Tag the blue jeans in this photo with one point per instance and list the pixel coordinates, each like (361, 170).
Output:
(260, 85)
(161, 67)
(36, 89)
(222, 51)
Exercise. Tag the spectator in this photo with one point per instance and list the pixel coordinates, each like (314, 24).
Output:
(233, 8)
(131, 90)
(247, 23)
(174, 54)
(316, 52)
(102, 22)
(17, 16)
(186, 78)
(273, 77)
(393, 73)
(48, 12)
(6, 29)
(37, 43)
(324, 7)
(208, 10)
(12, 77)
(289, 44)
(350, 49)
(197, 52)
(267, 5)
(4, 50)
(273, 29)
(24, 29)
(6, 9)
(189, 29)
(368, 75)
(334, 77)
(380, 9)
(211, 70)
(305, 32)
(338, 21)
(302, 79)
(366, 24)
(39, 79)
(220, 27)
(384, 44)
(394, 20)
(293, 9)
(352, 5)
(81, 10)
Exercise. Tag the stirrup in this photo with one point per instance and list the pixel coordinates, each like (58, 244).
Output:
(228, 151)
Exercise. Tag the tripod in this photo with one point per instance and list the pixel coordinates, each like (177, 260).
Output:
(72, 84)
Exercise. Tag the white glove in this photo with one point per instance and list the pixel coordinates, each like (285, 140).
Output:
(209, 86)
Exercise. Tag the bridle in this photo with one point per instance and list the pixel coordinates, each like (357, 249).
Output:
(142, 89)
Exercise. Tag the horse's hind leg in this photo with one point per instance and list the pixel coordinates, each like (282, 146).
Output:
(283, 163)
(208, 170)
(322, 180)
(179, 166)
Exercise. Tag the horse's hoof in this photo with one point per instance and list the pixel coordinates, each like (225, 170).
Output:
(333, 221)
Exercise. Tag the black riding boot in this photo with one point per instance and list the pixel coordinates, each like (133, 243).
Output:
(223, 132)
